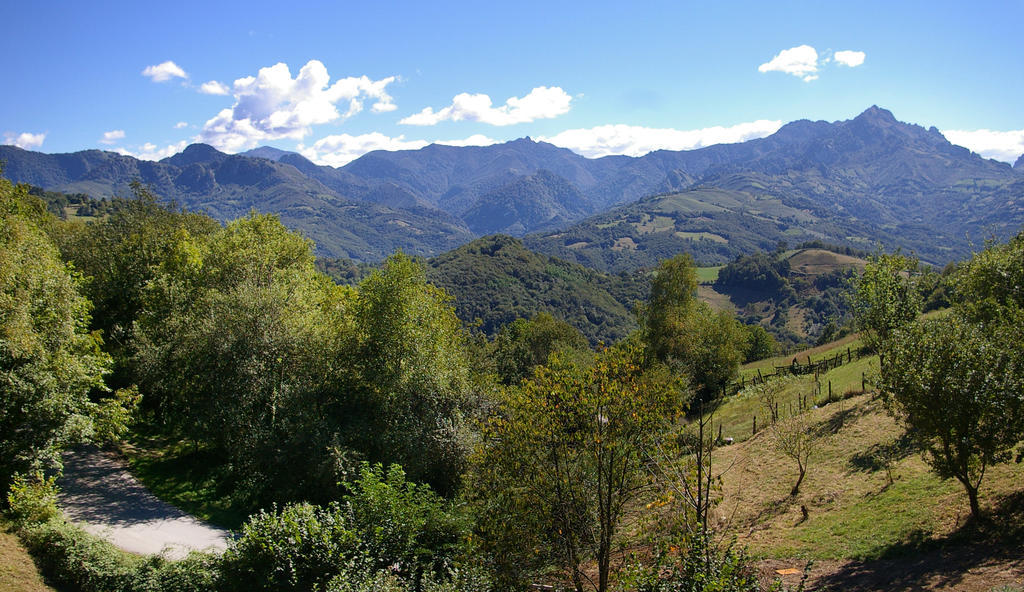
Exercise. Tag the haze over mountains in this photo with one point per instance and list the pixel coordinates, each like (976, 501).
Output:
(859, 182)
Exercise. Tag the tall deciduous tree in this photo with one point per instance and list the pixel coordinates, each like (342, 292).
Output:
(686, 334)
(565, 456)
(48, 359)
(413, 375)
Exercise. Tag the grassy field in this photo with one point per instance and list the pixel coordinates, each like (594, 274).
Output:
(18, 572)
(708, 275)
(854, 512)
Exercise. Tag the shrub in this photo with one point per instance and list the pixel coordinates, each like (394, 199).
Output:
(300, 547)
(32, 499)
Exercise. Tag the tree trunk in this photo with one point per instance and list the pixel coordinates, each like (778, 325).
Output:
(972, 496)
(799, 480)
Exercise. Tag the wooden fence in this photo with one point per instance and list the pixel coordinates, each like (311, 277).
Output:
(798, 368)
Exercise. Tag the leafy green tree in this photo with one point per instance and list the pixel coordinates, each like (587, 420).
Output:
(960, 388)
(525, 344)
(49, 361)
(686, 334)
(412, 384)
(990, 287)
(564, 457)
(759, 344)
(120, 256)
(235, 348)
(885, 298)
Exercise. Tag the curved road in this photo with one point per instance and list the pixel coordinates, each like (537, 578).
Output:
(99, 494)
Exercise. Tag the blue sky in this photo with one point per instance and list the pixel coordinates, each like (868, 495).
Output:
(334, 80)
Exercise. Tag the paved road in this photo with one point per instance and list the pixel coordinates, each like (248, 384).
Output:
(98, 493)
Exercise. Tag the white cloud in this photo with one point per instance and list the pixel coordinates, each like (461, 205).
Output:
(800, 61)
(181, 124)
(150, 151)
(25, 140)
(541, 103)
(214, 88)
(164, 72)
(474, 140)
(112, 136)
(338, 150)
(272, 105)
(1004, 146)
(849, 58)
(633, 140)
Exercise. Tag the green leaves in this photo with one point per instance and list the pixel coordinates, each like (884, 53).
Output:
(564, 455)
(48, 360)
(886, 297)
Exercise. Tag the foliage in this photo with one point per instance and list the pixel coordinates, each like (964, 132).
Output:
(564, 456)
(49, 361)
(300, 547)
(687, 334)
(403, 526)
(32, 499)
(387, 532)
(79, 562)
(408, 404)
(497, 280)
(885, 298)
(701, 567)
(760, 344)
(990, 287)
(959, 388)
(120, 255)
(525, 344)
(762, 272)
(230, 348)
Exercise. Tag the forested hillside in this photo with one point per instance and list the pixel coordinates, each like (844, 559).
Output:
(861, 182)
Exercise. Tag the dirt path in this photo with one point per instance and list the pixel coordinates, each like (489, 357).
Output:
(98, 493)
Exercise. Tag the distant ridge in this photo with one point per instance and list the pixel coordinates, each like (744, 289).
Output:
(860, 182)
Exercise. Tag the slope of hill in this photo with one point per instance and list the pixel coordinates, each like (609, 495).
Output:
(868, 180)
(862, 530)
(497, 280)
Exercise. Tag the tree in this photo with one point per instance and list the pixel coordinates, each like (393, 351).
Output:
(796, 439)
(120, 255)
(409, 361)
(565, 455)
(960, 388)
(759, 344)
(686, 334)
(885, 298)
(49, 361)
(525, 344)
(235, 347)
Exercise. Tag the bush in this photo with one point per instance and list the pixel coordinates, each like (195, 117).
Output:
(301, 547)
(700, 568)
(32, 499)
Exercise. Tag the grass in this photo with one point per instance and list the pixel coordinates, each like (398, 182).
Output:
(854, 512)
(185, 477)
(18, 573)
(708, 275)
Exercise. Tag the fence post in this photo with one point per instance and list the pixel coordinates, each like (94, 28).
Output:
(830, 391)
(862, 389)
(754, 431)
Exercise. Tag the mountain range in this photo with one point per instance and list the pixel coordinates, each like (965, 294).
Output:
(866, 181)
